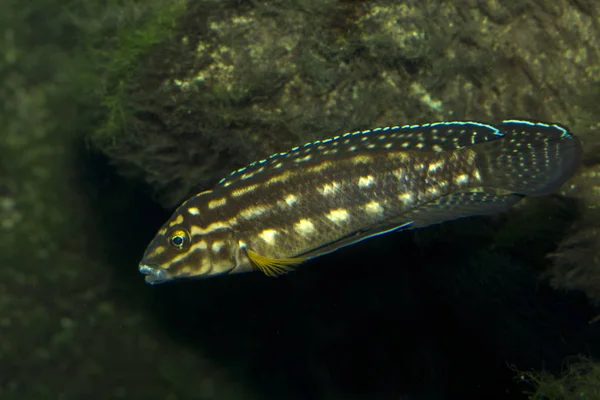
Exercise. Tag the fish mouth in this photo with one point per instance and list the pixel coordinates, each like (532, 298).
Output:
(154, 275)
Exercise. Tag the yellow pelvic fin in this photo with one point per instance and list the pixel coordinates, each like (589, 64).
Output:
(274, 266)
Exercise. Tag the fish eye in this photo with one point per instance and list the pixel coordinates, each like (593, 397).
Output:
(179, 239)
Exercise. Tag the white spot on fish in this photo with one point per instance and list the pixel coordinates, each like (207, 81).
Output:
(252, 212)
(320, 167)
(402, 156)
(362, 159)
(290, 199)
(373, 208)
(338, 215)
(280, 178)
(217, 203)
(329, 188)
(477, 175)
(462, 178)
(365, 181)
(304, 227)
(241, 191)
(432, 190)
(268, 235)
(434, 166)
(406, 198)
(193, 211)
(305, 158)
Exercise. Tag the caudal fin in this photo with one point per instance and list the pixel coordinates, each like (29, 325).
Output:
(532, 158)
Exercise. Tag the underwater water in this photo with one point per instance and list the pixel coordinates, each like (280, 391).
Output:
(114, 113)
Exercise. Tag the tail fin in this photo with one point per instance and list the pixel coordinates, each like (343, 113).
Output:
(532, 158)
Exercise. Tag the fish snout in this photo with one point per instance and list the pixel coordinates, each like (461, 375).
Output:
(154, 275)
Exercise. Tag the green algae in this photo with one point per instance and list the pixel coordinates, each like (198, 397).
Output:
(135, 30)
(231, 86)
(579, 380)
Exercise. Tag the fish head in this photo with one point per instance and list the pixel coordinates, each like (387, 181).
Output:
(185, 248)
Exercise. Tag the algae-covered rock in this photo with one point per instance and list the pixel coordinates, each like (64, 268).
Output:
(579, 379)
(576, 261)
(239, 81)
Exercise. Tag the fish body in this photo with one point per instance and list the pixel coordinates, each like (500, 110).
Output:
(319, 197)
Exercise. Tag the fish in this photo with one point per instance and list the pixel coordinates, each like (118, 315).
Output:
(293, 206)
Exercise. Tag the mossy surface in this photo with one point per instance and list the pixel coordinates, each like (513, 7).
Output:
(236, 81)
(579, 379)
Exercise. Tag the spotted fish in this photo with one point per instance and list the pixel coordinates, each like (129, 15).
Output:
(316, 198)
